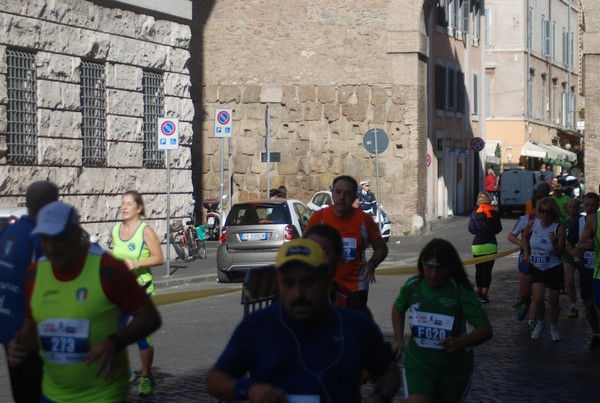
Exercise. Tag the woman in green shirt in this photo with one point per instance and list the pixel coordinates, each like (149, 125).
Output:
(440, 300)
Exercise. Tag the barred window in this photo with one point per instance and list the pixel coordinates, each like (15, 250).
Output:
(21, 113)
(93, 111)
(154, 97)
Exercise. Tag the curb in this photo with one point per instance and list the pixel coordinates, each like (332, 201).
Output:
(168, 282)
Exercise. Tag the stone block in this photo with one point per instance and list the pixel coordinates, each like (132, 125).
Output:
(395, 113)
(307, 93)
(229, 93)
(125, 103)
(251, 94)
(211, 93)
(124, 154)
(246, 146)
(345, 93)
(332, 112)
(61, 151)
(289, 167)
(379, 96)
(326, 94)
(312, 111)
(241, 163)
(255, 111)
(66, 124)
(271, 94)
(123, 77)
(303, 132)
(290, 95)
(363, 93)
(55, 67)
(124, 128)
(177, 85)
(293, 113)
(355, 113)
(63, 97)
(379, 114)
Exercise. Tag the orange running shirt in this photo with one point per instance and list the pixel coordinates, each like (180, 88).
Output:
(357, 232)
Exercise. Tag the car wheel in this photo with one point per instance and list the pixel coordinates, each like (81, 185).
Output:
(222, 277)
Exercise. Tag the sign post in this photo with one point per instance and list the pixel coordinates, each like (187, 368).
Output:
(168, 139)
(223, 129)
(375, 142)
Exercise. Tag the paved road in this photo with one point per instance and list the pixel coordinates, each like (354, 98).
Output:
(509, 368)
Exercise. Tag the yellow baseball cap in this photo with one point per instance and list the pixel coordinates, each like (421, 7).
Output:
(300, 250)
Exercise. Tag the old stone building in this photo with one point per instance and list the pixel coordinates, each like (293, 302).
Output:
(591, 74)
(330, 71)
(81, 86)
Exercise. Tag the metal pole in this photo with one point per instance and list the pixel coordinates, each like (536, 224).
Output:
(379, 216)
(229, 174)
(267, 145)
(168, 213)
(222, 177)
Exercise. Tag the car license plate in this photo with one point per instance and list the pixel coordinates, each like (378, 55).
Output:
(210, 220)
(253, 236)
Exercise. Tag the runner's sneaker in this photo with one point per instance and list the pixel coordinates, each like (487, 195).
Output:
(554, 333)
(595, 344)
(132, 376)
(522, 312)
(530, 327)
(145, 386)
(536, 332)
(573, 313)
(484, 299)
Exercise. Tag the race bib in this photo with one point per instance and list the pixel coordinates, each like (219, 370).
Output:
(303, 399)
(539, 257)
(350, 249)
(589, 259)
(429, 328)
(64, 341)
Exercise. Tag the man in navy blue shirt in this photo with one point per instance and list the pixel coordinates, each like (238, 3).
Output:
(303, 348)
(18, 249)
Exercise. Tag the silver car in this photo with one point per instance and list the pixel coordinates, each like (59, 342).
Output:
(253, 232)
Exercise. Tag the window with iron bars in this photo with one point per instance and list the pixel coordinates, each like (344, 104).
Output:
(93, 111)
(21, 112)
(154, 97)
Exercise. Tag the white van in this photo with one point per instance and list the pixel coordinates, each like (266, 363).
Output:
(515, 189)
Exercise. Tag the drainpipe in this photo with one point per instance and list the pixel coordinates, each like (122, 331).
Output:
(528, 69)
(569, 66)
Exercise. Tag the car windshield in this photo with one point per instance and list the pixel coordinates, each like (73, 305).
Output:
(257, 214)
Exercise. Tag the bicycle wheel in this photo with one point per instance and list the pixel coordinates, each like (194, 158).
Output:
(180, 249)
(201, 250)
(192, 244)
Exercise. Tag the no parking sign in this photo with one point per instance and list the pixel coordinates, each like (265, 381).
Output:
(168, 133)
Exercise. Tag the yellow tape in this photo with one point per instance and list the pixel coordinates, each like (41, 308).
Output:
(175, 297)
(402, 270)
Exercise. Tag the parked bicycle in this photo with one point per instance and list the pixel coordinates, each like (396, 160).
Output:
(188, 240)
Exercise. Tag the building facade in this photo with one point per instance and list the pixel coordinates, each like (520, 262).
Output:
(329, 72)
(82, 84)
(534, 97)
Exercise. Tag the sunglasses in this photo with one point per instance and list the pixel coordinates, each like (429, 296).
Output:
(545, 211)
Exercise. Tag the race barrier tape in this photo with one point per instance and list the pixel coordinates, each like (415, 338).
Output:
(400, 270)
(175, 297)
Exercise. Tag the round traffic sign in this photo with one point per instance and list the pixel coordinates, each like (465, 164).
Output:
(168, 127)
(428, 160)
(477, 144)
(223, 117)
(376, 141)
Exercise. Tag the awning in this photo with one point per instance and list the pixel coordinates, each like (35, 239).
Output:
(490, 152)
(542, 150)
(530, 149)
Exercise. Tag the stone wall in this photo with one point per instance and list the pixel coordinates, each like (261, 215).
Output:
(60, 34)
(591, 74)
(329, 71)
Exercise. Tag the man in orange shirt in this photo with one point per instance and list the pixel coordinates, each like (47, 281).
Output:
(358, 231)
